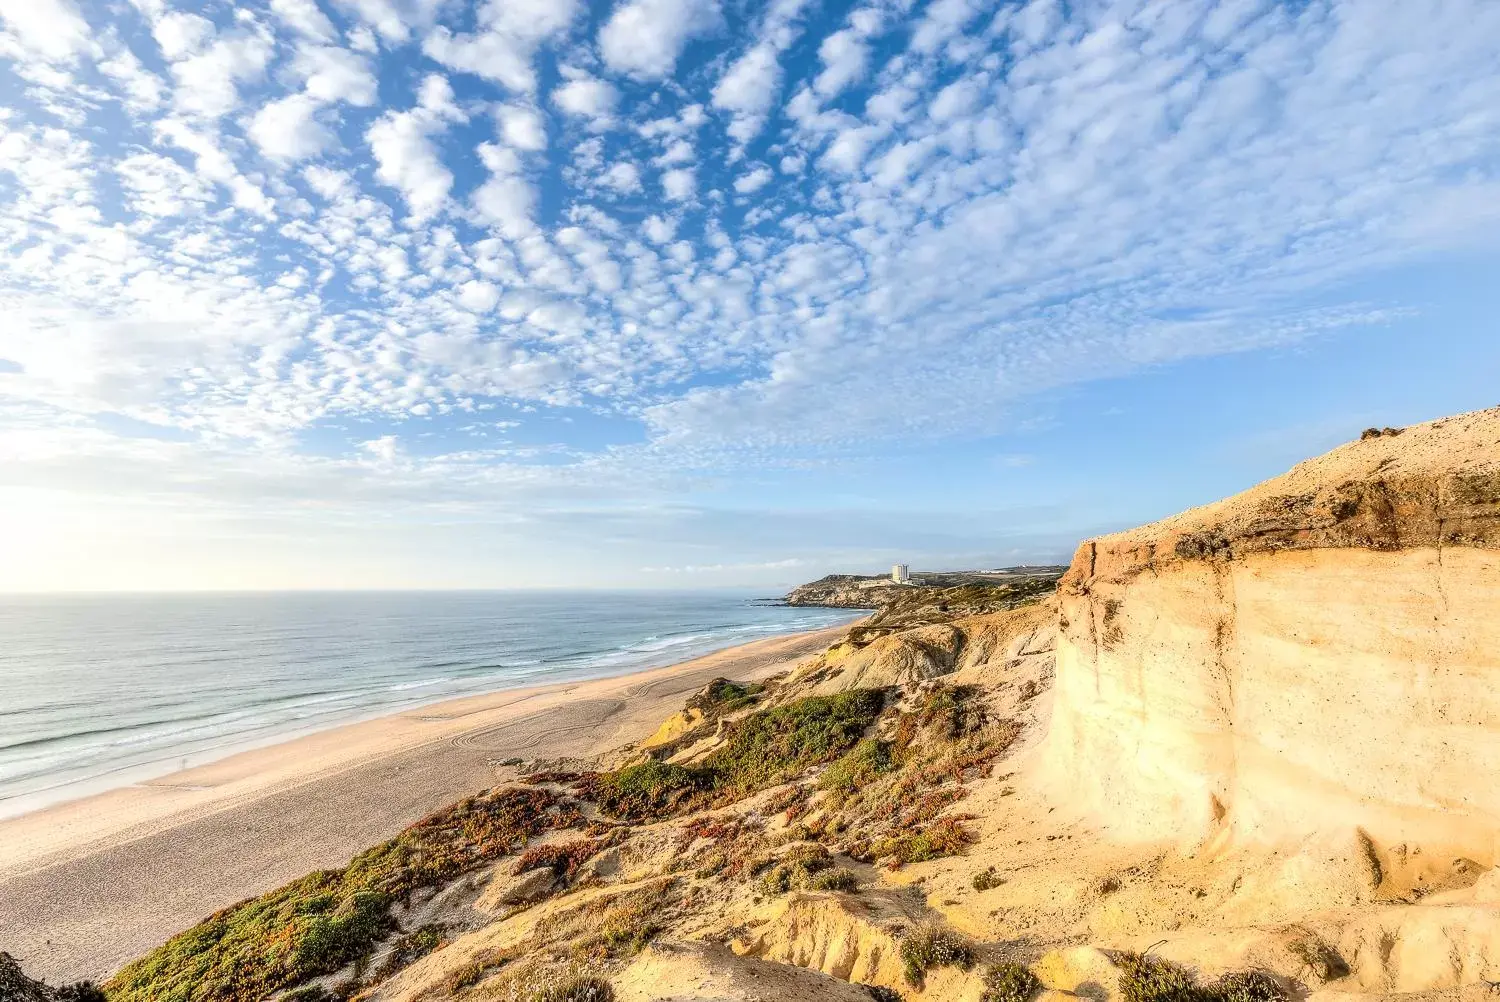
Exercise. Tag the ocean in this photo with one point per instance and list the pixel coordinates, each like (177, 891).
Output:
(101, 691)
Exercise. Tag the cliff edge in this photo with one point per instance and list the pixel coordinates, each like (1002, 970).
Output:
(1317, 653)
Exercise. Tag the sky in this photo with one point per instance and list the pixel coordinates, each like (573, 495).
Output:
(706, 293)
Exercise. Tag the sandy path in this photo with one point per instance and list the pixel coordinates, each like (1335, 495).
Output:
(89, 885)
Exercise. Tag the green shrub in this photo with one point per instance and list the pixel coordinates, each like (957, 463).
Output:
(985, 880)
(800, 866)
(775, 881)
(15, 985)
(641, 792)
(577, 988)
(311, 993)
(721, 696)
(838, 879)
(1248, 986)
(1009, 982)
(322, 922)
(952, 709)
(1147, 979)
(931, 946)
(760, 751)
(773, 745)
(944, 837)
(857, 769)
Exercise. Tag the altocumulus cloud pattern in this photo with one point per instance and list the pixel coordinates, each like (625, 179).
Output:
(391, 234)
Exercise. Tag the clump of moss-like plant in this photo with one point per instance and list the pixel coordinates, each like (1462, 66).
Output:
(641, 792)
(944, 837)
(858, 768)
(987, 879)
(797, 867)
(721, 697)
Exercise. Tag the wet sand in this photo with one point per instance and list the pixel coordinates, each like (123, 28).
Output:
(88, 885)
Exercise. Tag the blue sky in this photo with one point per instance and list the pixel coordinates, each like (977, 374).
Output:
(681, 293)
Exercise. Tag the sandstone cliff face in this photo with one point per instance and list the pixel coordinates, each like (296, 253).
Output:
(1319, 653)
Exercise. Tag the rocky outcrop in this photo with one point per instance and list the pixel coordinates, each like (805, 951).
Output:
(1320, 652)
(967, 592)
(843, 591)
(923, 653)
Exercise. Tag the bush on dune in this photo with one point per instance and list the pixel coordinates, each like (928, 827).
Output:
(931, 946)
(15, 986)
(773, 745)
(640, 792)
(326, 920)
(760, 751)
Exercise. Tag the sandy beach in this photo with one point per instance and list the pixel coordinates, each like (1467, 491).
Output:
(88, 885)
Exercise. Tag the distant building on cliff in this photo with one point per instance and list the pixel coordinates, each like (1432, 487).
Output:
(901, 574)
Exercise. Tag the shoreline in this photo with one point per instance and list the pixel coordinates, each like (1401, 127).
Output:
(89, 884)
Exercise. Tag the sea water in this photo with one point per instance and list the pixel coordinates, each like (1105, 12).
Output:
(98, 691)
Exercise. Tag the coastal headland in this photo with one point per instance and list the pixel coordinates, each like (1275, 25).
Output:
(87, 885)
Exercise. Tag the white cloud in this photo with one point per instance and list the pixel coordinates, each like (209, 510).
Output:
(405, 155)
(160, 186)
(141, 90)
(180, 34)
(845, 57)
(587, 97)
(480, 297)
(622, 177)
(510, 32)
(753, 181)
(643, 38)
(304, 17)
(208, 76)
(288, 129)
(521, 126)
(53, 29)
(659, 229)
(506, 201)
(381, 15)
(748, 89)
(332, 74)
(679, 184)
(362, 39)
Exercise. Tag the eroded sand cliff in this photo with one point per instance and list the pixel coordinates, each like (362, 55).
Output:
(1319, 653)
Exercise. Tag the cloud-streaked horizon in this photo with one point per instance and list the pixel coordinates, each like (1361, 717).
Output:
(397, 259)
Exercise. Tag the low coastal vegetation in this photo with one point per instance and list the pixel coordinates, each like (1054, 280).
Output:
(17, 987)
(932, 946)
(1009, 982)
(760, 751)
(1145, 978)
(319, 924)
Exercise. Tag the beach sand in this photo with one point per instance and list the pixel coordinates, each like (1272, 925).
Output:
(89, 885)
